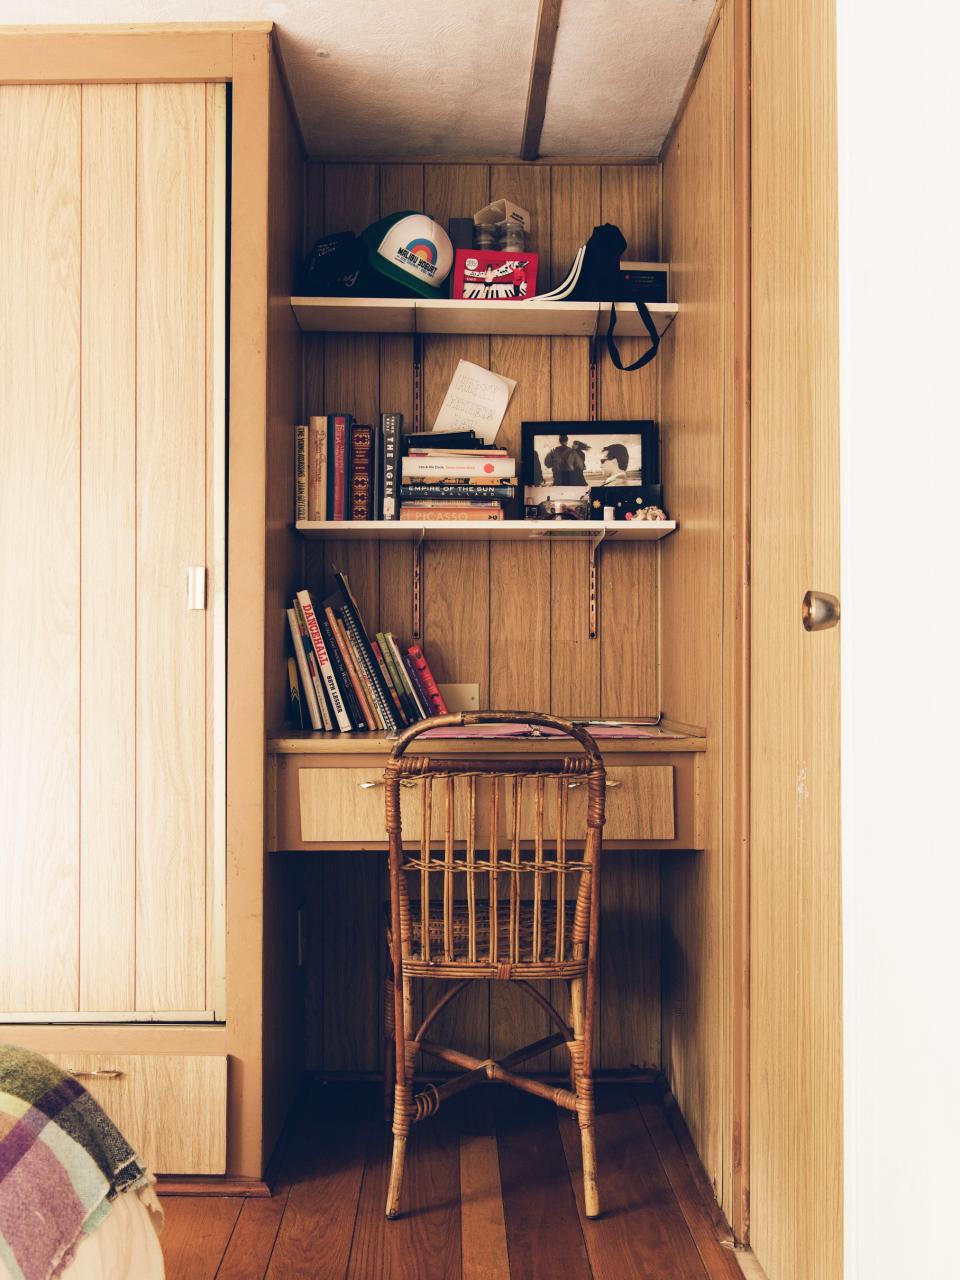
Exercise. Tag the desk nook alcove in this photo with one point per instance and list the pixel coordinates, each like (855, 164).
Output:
(235, 884)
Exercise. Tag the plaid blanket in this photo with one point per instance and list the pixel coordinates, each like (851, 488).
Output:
(62, 1163)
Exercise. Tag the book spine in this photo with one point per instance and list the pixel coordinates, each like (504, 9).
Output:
(302, 445)
(323, 661)
(413, 694)
(317, 494)
(316, 679)
(422, 696)
(446, 513)
(351, 705)
(296, 702)
(406, 702)
(458, 468)
(309, 693)
(355, 619)
(369, 718)
(453, 492)
(361, 466)
(391, 424)
(338, 463)
(426, 677)
(387, 675)
(368, 663)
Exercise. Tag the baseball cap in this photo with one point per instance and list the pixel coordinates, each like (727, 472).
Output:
(410, 249)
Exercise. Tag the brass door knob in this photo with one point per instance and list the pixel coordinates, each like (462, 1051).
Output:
(820, 611)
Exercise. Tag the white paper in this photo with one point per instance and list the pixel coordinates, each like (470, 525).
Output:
(476, 400)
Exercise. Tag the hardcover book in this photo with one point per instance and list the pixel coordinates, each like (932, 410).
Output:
(361, 471)
(317, 470)
(301, 446)
(338, 465)
(323, 660)
(391, 425)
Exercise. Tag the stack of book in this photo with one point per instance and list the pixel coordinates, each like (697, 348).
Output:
(348, 470)
(455, 476)
(341, 678)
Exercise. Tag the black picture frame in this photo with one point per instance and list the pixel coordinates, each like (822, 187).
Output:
(642, 465)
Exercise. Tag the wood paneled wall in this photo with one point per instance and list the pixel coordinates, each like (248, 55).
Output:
(796, 1076)
(697, 397)
(511, 618)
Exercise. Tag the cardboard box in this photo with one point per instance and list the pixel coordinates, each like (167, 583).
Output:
(494, 275)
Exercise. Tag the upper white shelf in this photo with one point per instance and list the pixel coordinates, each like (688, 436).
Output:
(446, 315)
(487, 530)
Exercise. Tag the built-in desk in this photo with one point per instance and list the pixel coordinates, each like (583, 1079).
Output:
(324, 791)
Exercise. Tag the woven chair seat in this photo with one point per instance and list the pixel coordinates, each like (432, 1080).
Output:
(459, 964)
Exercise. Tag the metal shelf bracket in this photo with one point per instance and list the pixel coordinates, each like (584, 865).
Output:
(595, 583)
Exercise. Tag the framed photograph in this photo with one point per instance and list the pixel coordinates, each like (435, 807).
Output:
(559, 457)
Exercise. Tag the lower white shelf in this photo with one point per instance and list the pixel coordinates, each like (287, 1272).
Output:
(487, 530)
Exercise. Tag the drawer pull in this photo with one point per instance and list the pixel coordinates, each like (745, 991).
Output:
(102, 1073)
(611, 783)
(367, 786)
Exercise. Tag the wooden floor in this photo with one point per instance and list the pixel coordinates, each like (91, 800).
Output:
(492, 1192)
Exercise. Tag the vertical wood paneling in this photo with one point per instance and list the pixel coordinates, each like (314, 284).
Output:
(108, 548)
(796, 1018)
(629, 631)
(696, 400)
(171, 446)
(40, 540)
(575, 658)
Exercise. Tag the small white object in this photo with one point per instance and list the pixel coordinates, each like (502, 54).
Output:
(476, 400)
(609, 515)
(197, 586)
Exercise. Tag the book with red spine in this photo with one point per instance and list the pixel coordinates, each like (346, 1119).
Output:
(437, 704)
(338, 465)
(323, 661)
(361, 472)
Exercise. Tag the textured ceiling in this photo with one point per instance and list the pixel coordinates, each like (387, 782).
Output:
(402, 78)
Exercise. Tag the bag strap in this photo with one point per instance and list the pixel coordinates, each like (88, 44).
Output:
(651, 328)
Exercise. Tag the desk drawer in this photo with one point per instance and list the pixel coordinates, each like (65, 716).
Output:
(171, 1108)
(345, 806)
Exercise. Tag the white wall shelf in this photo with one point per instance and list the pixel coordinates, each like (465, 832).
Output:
(488, 530)
(445, 315)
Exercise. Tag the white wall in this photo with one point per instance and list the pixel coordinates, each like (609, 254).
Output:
(899, 99)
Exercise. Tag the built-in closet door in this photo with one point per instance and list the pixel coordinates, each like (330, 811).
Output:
(111, 437)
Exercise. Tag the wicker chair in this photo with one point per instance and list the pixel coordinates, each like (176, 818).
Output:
(467, 918)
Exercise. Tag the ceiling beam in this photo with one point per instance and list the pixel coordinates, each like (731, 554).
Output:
(548, 19)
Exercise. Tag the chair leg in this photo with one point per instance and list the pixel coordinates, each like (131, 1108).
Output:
(389, 1046)
(583, 1086)
(403, 1106)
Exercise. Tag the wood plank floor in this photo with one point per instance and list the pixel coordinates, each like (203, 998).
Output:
(492, 1191)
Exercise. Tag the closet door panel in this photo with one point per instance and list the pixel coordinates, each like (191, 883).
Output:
(40, 537)
(108, 549)
(171, 537)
